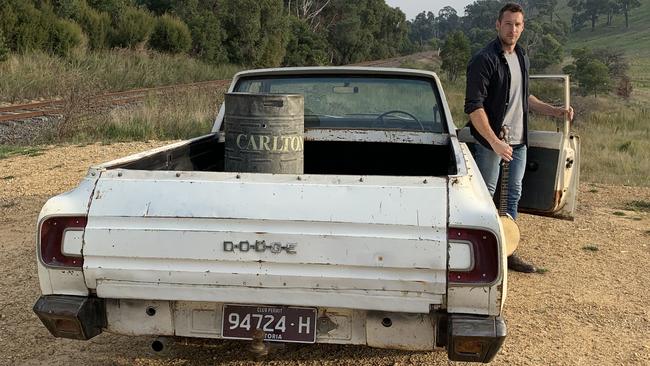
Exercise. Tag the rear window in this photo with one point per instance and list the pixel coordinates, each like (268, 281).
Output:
(359, 102)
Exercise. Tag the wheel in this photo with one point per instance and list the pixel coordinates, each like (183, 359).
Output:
(380, 118)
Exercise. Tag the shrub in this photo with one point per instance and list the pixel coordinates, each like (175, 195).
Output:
(624, 88)
(4, 51)
(96, 25)
(170, 35)
(130, 27)
(594, 78)
(64, 36)
(68, 8)
(30, 30)
(109, 6)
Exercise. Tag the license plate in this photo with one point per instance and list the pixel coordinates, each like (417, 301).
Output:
(279, 323)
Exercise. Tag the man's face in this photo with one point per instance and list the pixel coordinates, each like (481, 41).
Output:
(510, 27)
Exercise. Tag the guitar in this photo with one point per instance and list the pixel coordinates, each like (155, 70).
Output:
(510, 227)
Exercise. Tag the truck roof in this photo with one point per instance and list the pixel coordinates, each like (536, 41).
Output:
(339, 70)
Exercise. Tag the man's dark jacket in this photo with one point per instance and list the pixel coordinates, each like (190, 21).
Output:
(488, 87)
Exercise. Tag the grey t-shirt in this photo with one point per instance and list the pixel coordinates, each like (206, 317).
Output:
(514, 117)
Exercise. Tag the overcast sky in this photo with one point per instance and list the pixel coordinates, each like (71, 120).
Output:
(413, 7)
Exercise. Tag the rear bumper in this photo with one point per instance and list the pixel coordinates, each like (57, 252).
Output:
(474, 338)
(467, 337)
(74, 317)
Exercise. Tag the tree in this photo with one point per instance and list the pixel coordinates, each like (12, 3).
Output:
(594, 78)
(545, 7)
(348, 37)
(308, 11)
(626, 6)
(255, 31)
(274, 37)
(587, 10)
(422, 28)
(305, 48)
(204, 23)
(481, 14)
(447, 21)
(390, 36)
(542, 45)
(455, 54)
(614, 59)
(613, 7)
(588, 67)
(549, 53)
(478, 38)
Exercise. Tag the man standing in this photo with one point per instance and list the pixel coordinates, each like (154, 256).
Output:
(497, 95)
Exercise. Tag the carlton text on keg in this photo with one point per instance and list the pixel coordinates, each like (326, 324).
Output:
(264, 133)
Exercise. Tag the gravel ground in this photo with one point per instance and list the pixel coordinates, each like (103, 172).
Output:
(27, 132)
(589, 308)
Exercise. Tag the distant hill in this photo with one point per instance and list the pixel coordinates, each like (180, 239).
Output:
(635, 41)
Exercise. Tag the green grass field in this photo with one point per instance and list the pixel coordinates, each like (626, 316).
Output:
(635, 41)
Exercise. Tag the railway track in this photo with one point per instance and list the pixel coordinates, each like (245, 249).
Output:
(396, 61)
(21, 112)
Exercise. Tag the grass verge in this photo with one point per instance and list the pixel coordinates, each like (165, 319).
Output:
(176, 115)
(638, 206)
(37, 75)
(7, 151)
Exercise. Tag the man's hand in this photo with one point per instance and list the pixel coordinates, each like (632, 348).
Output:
(480, 121)
(538, 106)
(502, 149)
(561, 112)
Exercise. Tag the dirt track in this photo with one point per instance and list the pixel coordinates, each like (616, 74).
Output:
(591, 307)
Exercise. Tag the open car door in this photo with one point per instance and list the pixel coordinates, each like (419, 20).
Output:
(550, 185)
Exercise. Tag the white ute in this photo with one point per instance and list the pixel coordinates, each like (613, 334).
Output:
(389, 238)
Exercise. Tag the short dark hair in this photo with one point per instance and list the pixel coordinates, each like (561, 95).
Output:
(511, 7)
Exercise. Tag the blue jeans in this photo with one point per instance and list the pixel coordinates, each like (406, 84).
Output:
(488, 163)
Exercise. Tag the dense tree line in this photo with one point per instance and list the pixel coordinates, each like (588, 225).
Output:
(544, 37)
(248, 32)
(590, 11)
(268, 33)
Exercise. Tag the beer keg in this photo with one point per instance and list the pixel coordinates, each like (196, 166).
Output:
(264, 133)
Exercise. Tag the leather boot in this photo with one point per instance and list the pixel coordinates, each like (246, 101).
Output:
(519, 265)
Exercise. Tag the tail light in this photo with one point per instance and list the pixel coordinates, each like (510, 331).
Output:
(483, 252)
(54, 231)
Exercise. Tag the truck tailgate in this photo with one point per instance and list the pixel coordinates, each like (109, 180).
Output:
(377, 243)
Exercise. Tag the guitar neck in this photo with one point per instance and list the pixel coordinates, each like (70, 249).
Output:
(503, 197)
